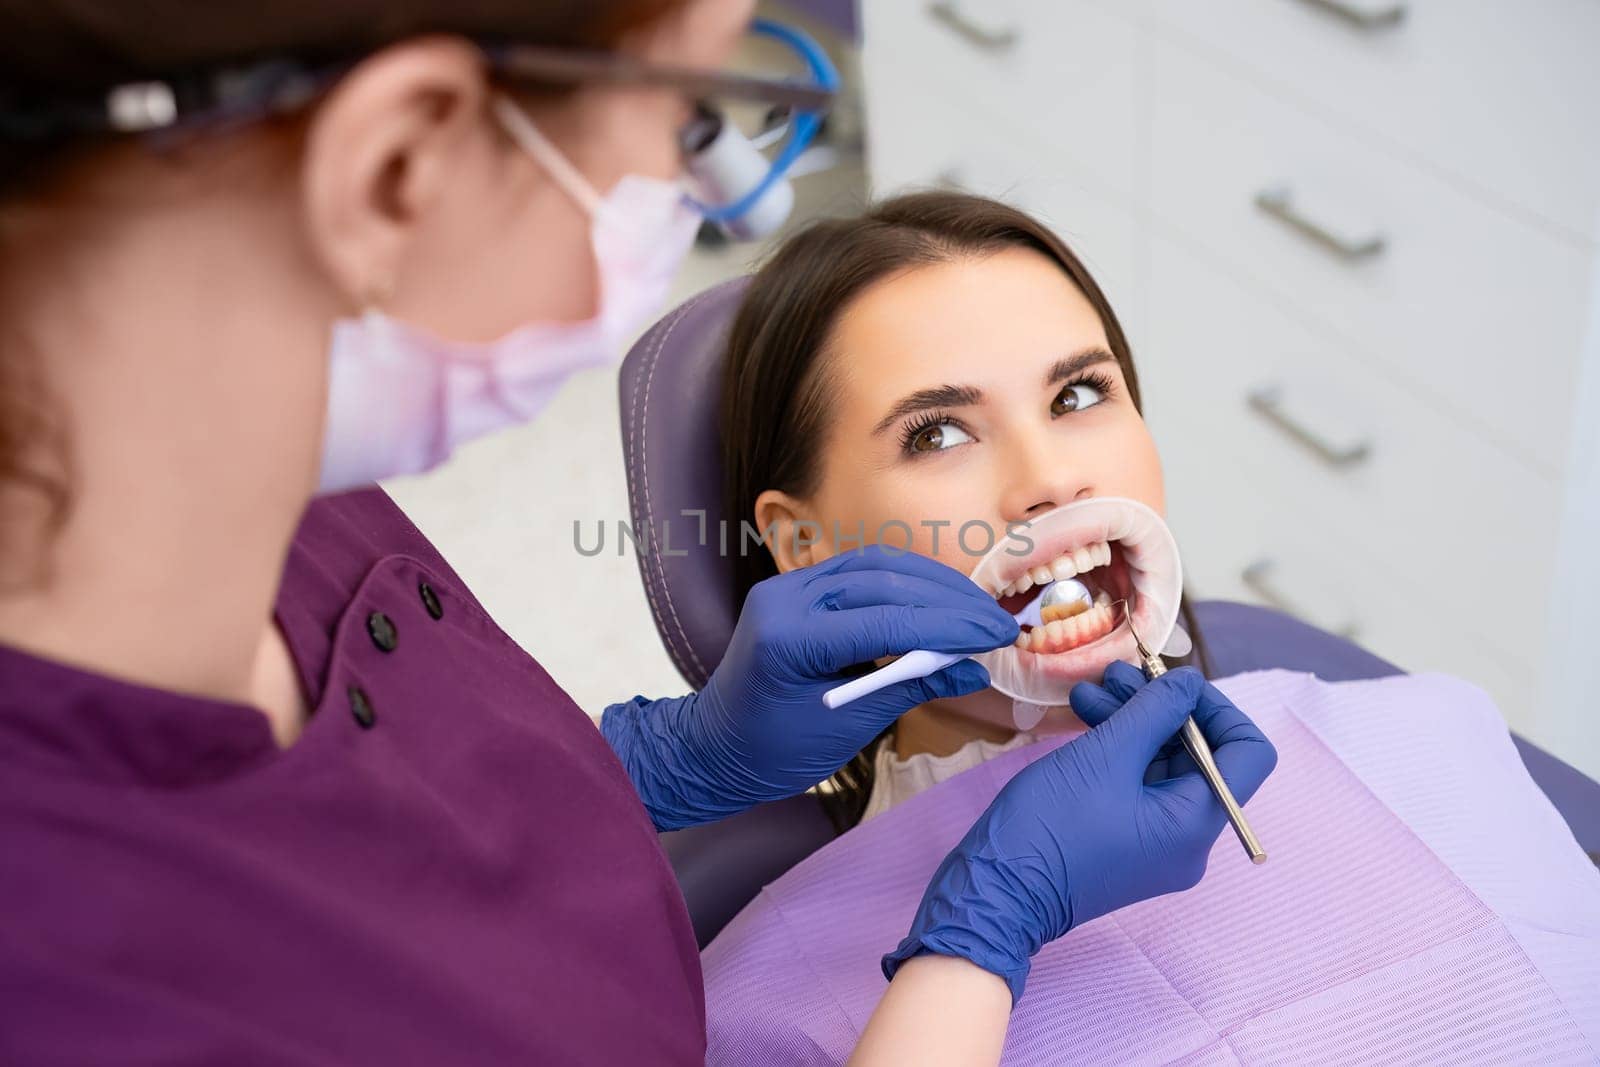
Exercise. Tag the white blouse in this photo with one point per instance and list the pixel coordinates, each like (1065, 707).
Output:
(897, 779)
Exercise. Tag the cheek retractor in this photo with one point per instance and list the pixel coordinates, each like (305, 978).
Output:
(1118, 549)
(1058, 600)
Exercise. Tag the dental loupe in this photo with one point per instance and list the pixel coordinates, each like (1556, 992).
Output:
(741, 190)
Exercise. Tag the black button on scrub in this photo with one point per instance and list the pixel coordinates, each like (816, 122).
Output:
(361, 708)
(381, 627)
(430, 600)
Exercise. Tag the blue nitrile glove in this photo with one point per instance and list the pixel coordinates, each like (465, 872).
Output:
(1106, 820)
(758, 730)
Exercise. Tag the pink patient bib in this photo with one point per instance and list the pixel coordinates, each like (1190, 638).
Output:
(1422, 904)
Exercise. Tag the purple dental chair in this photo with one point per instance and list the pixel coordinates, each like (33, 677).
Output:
(669, 389)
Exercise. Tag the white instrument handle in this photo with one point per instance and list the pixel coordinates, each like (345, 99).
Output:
(917, 664)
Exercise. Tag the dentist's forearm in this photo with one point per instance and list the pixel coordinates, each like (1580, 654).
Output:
(939, 1010)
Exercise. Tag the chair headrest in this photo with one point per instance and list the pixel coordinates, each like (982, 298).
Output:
(670, 384)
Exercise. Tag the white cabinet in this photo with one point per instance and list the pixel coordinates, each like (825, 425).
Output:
(1500, 97)
(1358, 257)
(1441, 295)
(1301, 477)
(1025, 74)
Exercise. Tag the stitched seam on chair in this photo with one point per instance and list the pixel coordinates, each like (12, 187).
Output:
(635, 450)
(644, 432)
(643, 466)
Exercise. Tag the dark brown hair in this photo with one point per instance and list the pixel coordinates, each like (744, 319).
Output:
(74, 49)
(776, 389)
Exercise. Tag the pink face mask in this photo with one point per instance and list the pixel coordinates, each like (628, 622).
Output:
(400, 400)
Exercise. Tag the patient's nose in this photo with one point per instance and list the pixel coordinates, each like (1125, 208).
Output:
(1039, 481)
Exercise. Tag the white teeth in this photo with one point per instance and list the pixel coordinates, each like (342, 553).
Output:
(1067, 565)
(1064, 634)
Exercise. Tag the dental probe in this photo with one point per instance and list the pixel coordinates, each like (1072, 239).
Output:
(922, 662)
(1200, 751)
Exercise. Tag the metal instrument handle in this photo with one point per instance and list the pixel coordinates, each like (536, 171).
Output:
(1194, 742)
(1199, 751)
(1268, 403)
(987, 38)
(1279, 203)
(1362, 18)
(1255, 578)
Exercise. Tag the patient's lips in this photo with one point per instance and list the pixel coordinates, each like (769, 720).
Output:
(1118, 549)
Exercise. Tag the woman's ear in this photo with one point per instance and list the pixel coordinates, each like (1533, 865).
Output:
(381, 150)
(791, 535)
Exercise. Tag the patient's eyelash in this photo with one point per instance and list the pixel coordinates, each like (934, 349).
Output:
(1098, 380)
(924, 422)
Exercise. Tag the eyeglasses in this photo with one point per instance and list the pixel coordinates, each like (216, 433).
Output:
(558, 67)
(172, 110)
(209, 98)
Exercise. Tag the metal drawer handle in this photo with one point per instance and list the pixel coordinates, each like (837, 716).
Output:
(988, 38)
(1279, 203)
(1362, 17)
(1268, 403)
(1256, 578)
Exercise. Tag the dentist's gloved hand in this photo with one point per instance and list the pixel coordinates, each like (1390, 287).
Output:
(758, 731)
(1111, 818)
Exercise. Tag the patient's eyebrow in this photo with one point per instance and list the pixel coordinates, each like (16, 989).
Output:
(943, 396)
(1072, 366)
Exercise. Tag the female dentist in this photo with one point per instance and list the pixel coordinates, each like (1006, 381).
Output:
(273, 788)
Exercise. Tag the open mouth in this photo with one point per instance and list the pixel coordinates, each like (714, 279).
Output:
(1102, 567)
(1122, 553)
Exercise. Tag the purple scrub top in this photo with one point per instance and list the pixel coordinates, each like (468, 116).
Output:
(449, 866)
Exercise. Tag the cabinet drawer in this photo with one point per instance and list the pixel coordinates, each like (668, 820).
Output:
(1239, 544)
(1504, 97)
(1431, 504)
(1460, 302)
(1102, 233)
(1056, 80)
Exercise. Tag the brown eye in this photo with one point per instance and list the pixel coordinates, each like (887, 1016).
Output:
(934, 436)
(1076, 397)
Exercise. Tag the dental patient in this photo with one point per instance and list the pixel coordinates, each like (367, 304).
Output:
(941, 372)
